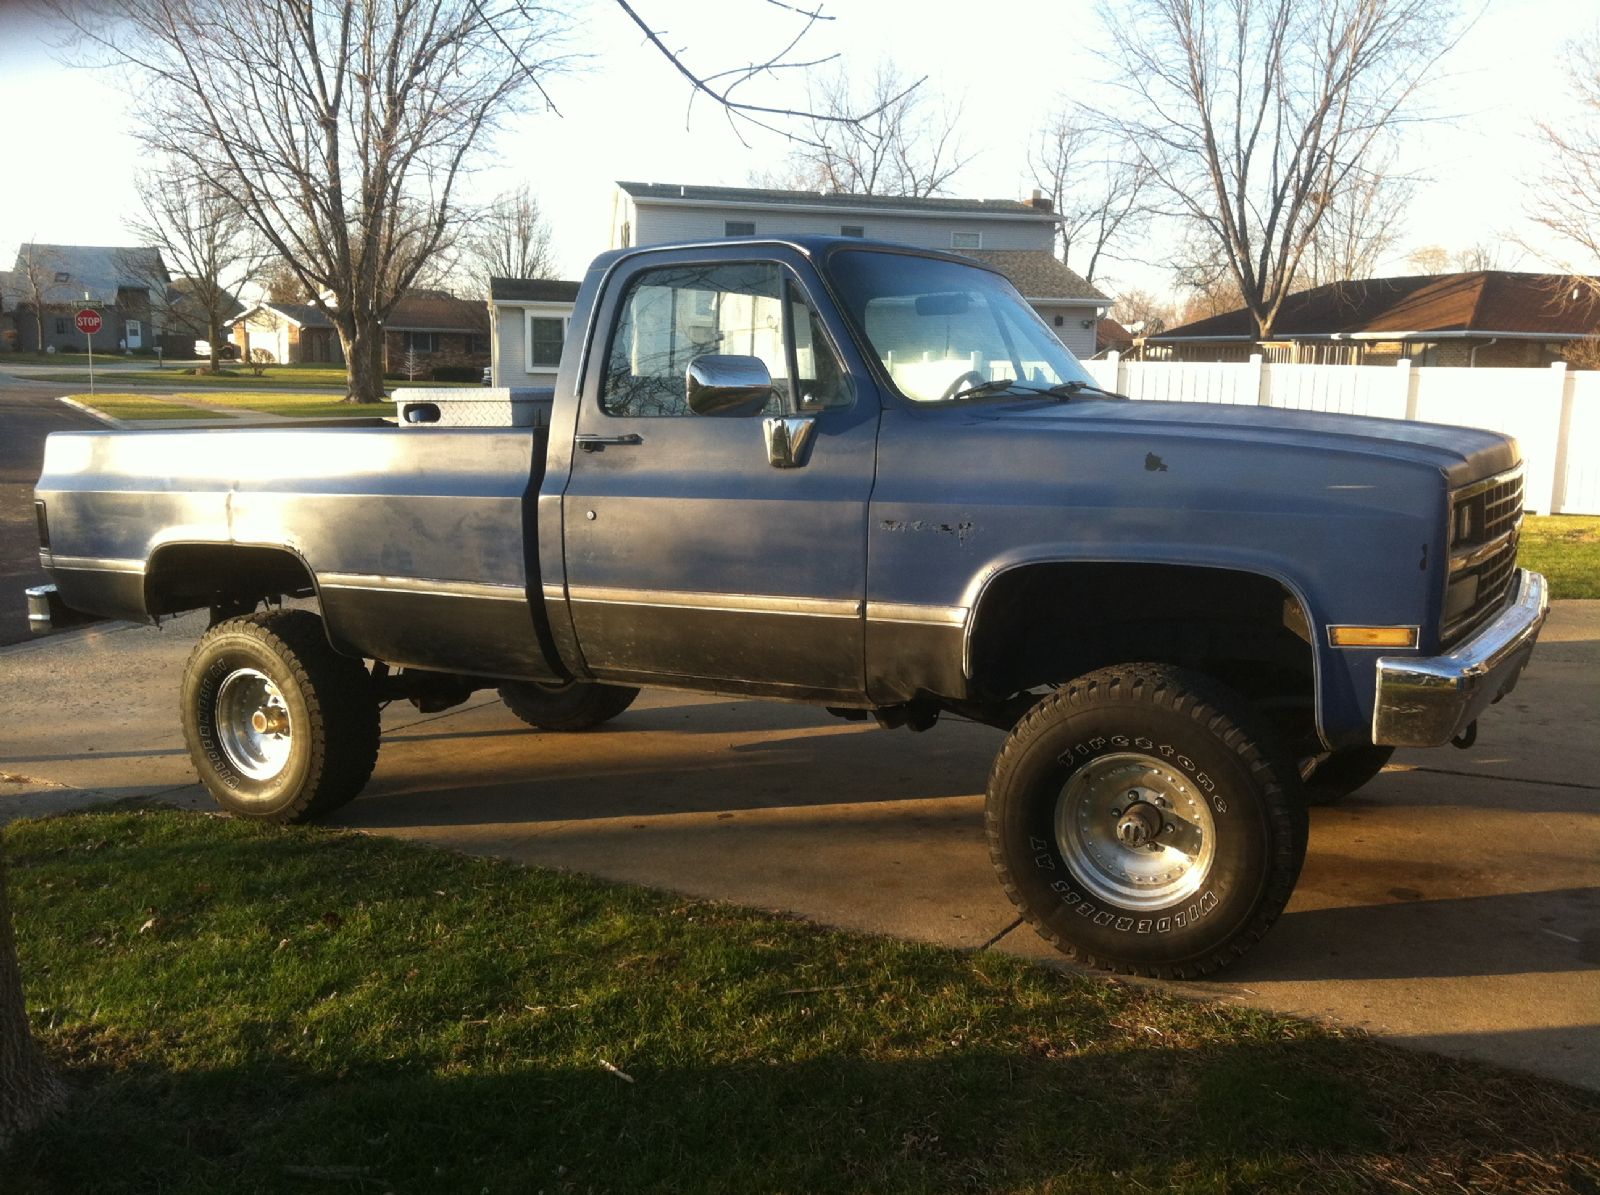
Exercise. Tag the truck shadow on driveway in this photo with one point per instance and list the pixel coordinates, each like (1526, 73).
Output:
(1507, 933)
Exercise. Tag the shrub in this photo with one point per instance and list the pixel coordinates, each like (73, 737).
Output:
(457, 373)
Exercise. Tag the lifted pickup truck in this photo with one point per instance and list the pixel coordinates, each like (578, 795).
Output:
(869, 478)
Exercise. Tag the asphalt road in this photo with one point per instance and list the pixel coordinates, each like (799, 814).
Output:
(28, 412)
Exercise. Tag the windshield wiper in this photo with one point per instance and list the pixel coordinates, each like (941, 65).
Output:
(1069, 390)
(990, 387)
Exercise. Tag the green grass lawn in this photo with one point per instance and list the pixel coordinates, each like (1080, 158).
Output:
(233, 377)
(250, 1009)
(1566, 549)
(298, 406)
(289, 405)
(143, 406)
(67, 360)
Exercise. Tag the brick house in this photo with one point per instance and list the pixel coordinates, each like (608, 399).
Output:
(1016, 237)
(61, 280)
(1477, 318)
(440, 329)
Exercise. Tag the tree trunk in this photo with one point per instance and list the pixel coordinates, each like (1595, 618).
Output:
(362, 340)
(38, 328)
(213, 336)
(29, 1089)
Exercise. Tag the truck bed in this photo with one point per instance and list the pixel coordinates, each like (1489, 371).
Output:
(422, 545)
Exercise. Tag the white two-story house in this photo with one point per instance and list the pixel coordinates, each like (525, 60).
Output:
(1016, 237)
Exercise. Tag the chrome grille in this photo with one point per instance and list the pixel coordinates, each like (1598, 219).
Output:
(1485, 522)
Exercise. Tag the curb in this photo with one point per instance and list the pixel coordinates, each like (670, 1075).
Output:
(92, 413)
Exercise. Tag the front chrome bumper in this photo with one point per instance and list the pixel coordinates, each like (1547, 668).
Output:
(1426, 702)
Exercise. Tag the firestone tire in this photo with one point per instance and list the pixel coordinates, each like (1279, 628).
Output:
(576, 705)
(1138, 823)
(1343, 772)
(281, 727)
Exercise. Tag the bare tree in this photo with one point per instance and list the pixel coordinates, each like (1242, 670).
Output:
(1429, 259)
(510, 239)
(1566, 201)
(903, 146)
(1436, 259)
(1096, 187)
(339, 127)
(342, 127)
(281, 284)
(210, 248)
(35, 275)
(1360, 226)
(29, 1089)
(1143, 312)
(1252, 115)
(1202, 274)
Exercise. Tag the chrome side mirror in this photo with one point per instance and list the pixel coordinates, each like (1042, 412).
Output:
(716, 384)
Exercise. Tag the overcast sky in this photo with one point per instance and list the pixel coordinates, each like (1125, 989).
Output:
(67, 156)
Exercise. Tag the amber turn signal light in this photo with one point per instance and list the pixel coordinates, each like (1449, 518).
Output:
(1372, 636)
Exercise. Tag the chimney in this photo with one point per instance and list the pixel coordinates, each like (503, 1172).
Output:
(1037, 200)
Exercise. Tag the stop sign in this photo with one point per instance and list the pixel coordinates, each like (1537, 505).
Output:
(88, 321)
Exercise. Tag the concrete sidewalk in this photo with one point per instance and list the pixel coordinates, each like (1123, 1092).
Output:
(1453, 904)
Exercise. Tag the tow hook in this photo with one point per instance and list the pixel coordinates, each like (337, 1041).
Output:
(1467, 737)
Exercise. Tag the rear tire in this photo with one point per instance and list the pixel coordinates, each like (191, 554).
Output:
(1140, 825)
(1343, 772)
(575, 705)
(281, 727)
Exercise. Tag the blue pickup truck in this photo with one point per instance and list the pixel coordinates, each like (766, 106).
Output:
(868, 478)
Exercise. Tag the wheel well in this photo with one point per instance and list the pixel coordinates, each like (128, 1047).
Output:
(187, 576)
(1047, 623)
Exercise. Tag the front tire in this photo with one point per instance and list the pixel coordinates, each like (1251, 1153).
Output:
(575, 705)
(281, 727)
(1138, 823)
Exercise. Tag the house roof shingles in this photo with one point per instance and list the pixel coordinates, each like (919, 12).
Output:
(532, 290)
(99, 270)
(1483, 302)
(761, 196)
(1038, 274)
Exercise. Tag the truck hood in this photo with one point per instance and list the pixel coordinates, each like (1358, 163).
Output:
(1461, 454)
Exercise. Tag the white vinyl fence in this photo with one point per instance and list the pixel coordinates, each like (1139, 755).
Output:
(1554, 413)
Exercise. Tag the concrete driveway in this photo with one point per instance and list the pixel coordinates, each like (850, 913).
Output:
(1453, 904)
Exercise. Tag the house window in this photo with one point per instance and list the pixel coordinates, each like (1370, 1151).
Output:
(546, 335)
(422, 342)
(739, 228)
(966, 240)
(1061, 321)
(61, 327)
(852, 230)
(62, 276)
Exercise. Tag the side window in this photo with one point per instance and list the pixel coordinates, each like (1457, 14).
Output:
(672, 315)
(823, 381)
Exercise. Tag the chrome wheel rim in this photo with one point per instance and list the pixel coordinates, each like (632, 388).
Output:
(1135, 832)
(252, 723)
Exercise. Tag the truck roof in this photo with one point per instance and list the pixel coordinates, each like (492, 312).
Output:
(811, 244)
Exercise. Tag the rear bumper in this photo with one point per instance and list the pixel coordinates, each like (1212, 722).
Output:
(1426, 702)
(47, 612)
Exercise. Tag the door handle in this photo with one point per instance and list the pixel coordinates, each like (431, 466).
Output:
(590, 442)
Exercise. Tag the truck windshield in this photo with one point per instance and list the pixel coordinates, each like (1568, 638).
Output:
(944, 330)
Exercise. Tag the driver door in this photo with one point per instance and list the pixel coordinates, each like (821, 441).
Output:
(690, 558)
